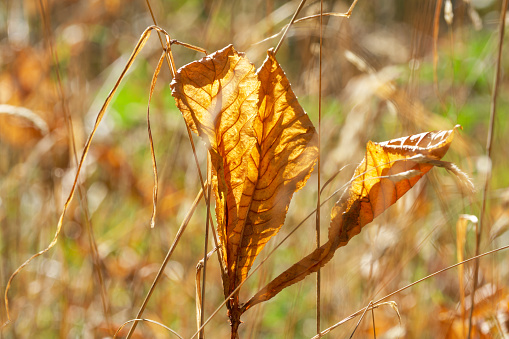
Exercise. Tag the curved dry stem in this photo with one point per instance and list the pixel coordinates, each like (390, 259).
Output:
(139, 46)
(198, 291)
(185, 44)
(286, 27)
(171, 66)
(149, 321)
(151, 141)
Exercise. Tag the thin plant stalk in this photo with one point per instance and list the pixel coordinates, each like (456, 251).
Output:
(489, 143)
(205, 247)
(374, 327)
(289, 24)
(319, 183)
(436, 27)
(149, 321)
(360, 319)
(81, 195)
(295, 20)
(181, 230)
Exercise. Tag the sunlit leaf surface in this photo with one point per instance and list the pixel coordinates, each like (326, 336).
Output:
(389, 169)
(262, 143)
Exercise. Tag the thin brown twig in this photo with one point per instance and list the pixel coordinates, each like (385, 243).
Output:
(295, 20)
(169, 55)
(185, 44)
(489, 143)
(342, 15)
(197, 281)
(347, 14)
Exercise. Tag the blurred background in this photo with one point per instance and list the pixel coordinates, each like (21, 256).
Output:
(58, 62)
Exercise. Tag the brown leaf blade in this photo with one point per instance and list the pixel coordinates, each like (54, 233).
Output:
(280, 164)
(388, 170)
(262, 143)
(376, 183)
(217, 96)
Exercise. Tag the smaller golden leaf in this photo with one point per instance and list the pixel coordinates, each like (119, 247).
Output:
(389, 169)
(375, 185)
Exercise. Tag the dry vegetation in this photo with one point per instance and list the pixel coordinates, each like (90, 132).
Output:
(59, 60)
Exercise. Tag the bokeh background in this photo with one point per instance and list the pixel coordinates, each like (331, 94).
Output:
(59, 60)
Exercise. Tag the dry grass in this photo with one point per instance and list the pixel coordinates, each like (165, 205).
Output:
(377, 84)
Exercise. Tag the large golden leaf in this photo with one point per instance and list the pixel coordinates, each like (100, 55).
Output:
(388, 170)
(262, 143)
(280, 164)
(218, 96)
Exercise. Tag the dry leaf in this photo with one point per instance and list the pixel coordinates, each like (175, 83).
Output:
(262, 143)
(20, 126)
(373, 189)
(218, 96)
